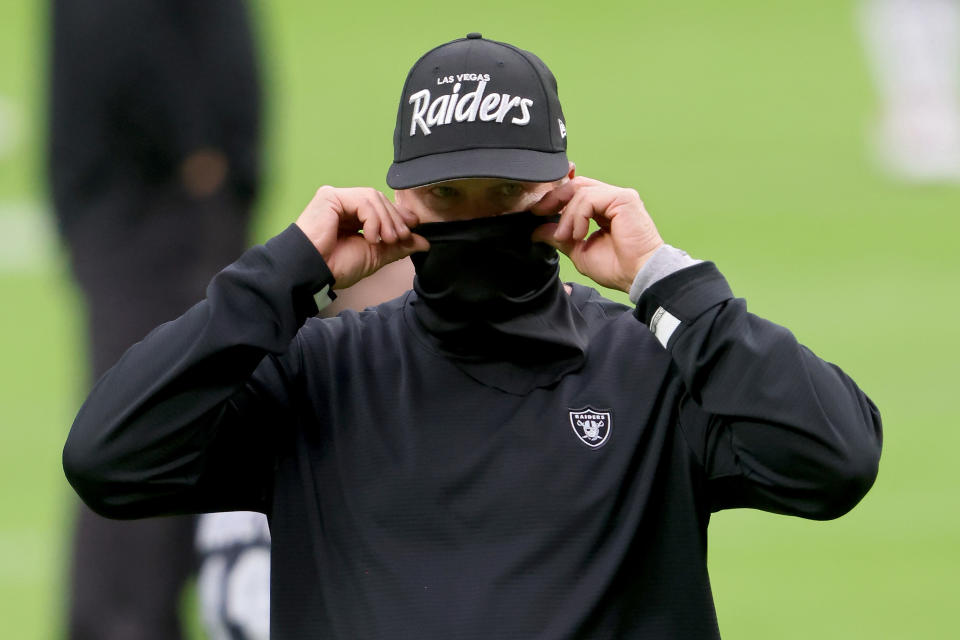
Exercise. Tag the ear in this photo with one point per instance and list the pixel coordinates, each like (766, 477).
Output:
(572, 172)
(399, 195)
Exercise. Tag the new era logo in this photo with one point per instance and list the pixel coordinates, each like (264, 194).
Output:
(591, 426)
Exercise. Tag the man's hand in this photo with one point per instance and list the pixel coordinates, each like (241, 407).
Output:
(334, 219)
(614, 253)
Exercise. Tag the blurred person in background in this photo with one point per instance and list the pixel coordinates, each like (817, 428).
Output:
(233, 547)
(153, 160)
(913, 47)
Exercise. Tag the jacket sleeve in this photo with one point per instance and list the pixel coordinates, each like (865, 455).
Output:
(189, 419)
(773, 426)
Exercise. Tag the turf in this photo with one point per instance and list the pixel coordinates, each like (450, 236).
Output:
(742, 124)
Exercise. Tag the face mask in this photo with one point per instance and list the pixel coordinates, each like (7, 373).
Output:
(485, 268)
(490, 300)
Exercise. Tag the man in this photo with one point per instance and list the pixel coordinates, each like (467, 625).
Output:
(495, 454)
(154, 149)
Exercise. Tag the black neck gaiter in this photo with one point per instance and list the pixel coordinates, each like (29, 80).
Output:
(484, 269)
(491, 298)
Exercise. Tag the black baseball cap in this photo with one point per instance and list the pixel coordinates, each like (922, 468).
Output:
(477, 108)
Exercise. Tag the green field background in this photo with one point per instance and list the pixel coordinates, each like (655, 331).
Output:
(743, 126)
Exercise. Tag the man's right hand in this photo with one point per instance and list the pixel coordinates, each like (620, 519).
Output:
(333, 222)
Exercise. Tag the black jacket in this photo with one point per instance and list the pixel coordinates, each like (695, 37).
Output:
(407, 499)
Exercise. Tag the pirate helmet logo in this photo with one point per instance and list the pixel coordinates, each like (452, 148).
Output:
(591, 426)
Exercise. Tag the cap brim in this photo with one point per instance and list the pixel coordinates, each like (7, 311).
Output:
(513, 164)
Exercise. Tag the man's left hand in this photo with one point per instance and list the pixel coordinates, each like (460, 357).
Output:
(613, 254)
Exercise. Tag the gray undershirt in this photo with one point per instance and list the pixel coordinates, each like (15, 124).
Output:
(663, 262)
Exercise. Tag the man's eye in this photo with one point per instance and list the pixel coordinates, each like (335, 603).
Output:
(511, 189)
(443, 192)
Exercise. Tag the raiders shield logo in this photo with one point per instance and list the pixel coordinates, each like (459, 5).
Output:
(591, 426)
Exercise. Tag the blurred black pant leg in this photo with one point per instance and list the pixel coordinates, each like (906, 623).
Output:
(127, 577)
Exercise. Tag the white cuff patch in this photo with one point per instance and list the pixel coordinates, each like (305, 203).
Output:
(663, 324)
(322, 297)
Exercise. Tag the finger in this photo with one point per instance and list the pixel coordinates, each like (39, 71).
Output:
(348, 203)
(319, 220)
(588, 182)
(401, 228)
(575, 218)
(399, 224)
(360, 203)
(408, 216)
(387, 231)
(580, 212)
(565, 225)
(597, 236)
(581, 225)
(392, 252)
(371, 224)
(323, 195)
(591, 203)
(555, 200)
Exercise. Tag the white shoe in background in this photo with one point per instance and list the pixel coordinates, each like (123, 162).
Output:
(920, 144)
(913, 47)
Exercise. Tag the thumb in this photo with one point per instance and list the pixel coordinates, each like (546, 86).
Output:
(391, 252)
(544, 233)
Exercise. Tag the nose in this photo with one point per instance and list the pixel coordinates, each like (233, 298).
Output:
(479, 207)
